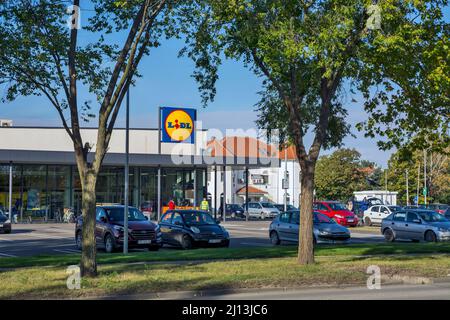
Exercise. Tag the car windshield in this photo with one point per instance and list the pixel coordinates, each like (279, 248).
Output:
(116, 214)
(431, 216)
(337, 206)
(198, 218)
(267, 205)
(321, 218)
(234, 206)
(394, 208)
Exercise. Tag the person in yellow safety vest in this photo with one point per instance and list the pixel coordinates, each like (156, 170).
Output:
(204, 206)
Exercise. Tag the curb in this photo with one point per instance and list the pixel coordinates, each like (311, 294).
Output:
(195, 294)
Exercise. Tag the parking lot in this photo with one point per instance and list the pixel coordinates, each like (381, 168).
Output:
(38, 239)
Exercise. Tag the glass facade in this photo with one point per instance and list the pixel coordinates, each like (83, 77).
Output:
(42, 192)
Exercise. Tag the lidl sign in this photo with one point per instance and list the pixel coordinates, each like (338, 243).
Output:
(178, 125)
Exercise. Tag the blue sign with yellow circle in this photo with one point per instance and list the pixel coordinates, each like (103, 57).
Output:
(178, 125)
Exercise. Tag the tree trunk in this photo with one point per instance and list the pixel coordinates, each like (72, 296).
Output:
(89, 252)
(306, 236)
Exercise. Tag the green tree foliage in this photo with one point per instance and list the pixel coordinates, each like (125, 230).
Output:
(340, 174)
(438, 176)
(306, 51)
(41, 55)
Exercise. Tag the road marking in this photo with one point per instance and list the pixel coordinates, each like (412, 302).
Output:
(43, 236)
(67, 251)
(3, 239)
(7, 255)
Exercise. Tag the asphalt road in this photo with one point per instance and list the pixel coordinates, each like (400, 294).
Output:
(436, 291)
(36, 239)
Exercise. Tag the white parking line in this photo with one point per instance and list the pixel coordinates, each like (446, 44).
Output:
(66, 251)
(43, 236)
(7, 255)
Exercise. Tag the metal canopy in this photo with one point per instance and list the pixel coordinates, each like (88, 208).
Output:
(118, 159)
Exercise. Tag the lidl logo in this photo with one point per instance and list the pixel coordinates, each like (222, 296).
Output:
(178, 125)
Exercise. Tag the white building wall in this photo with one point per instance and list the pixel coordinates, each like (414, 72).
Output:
(273, 187)
(57, 139)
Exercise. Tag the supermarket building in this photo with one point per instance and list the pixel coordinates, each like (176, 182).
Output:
(40, 163)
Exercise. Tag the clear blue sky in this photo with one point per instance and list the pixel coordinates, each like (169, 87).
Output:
(166, 81)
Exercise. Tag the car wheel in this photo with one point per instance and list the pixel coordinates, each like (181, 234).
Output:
(430, 236)
(186, 242)
(109, 244)
(389, 235)
(274, 238)
(153, 248)
(79, 240)
(367, 221)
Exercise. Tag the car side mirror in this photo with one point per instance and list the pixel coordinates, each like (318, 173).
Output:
(217, 221)
(146, 218)
(103, 219)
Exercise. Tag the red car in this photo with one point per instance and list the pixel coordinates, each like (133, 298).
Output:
(337, 211)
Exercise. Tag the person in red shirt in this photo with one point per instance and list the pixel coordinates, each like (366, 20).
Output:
(171, 204)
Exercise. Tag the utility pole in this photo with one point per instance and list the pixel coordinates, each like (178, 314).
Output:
(418, 183)
(286, 182)
(127, 169)
(425, 176)
(407, 189)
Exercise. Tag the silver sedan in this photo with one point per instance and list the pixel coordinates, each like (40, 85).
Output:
(416, 225)
(285, 228)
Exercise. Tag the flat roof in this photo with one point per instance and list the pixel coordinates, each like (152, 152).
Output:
(118, 159)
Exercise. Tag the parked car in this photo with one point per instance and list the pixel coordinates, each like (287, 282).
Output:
(190, 228)
(262, 210)
(285, 228)
(336, 211)
(289, 207)
(5, 223)
(447, 213)
(375, 214)
(415, 206)
(416, 225)
(438, 207)
(235, 210)
(109, 229)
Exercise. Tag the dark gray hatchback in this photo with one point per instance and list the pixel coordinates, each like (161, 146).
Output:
(189, 228)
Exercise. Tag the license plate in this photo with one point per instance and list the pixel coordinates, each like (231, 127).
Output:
(1, 226)
(350, 220)
(214, 241)
(144, 241)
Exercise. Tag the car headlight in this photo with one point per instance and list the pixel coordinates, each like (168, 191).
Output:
(195, 230)
(323, 232)
(338, 216)
(7, 221)
(443, 230)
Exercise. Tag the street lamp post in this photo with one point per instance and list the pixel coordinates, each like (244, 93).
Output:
(407, 188)
(127, 169)
(10, 191)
